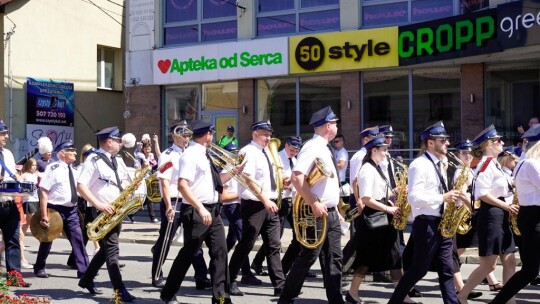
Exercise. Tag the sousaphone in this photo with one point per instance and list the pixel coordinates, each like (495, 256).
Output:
(56, 225)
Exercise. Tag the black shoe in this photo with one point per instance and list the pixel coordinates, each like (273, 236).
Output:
(277, 291)
(203, 284)
(121, 265)
(160, 283)
(126, 296)
(414, 293)
(173, 301)
(474, 295)
(311, 274)
(259, 270)
(41, 274)
(381, 278)
(90, 286)
(71, 266)
(234, 290)
(536, 281)
(484, 281)
(350, 299)
(250, 279)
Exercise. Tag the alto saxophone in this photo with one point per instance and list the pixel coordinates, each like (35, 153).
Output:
(399, 223)
(124, 204)
(456, 219)
(512, 218)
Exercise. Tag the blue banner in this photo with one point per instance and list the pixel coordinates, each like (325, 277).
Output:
(49, 102)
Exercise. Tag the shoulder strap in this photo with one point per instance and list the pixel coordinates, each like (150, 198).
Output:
(371, 162)
(485, 164)
(106, 160)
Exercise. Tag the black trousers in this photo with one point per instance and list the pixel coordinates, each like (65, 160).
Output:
(285, 213)
(234, 216)
(9, 224)
(330, 251)
(195, 232)
(255, 220)
(86, 215)
(199, 264)
(108, 254)
(529, 225)
(429, 244)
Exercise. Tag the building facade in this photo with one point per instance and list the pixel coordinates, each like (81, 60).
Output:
(73, 51)
(408, 63)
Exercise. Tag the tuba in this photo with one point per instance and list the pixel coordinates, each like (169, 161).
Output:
(456, 219)
(305, 223)
(399, 223)
(152, 188)
(273, 147)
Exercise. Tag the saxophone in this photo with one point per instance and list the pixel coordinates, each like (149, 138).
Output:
(125, 204)
(399, 223)
(456, 219)
(512, 218)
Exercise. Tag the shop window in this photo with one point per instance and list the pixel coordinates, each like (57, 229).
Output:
(512, 97)
(181, 103)
(276, 101)
(437, 96)
(469, 6)
(220, 96)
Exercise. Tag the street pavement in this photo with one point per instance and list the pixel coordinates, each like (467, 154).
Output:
(136, 241)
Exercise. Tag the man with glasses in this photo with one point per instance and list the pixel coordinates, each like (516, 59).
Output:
(200, 184)
(427, 192)
(259, 209)
(323, 199)
(102, 179)
(533, 121)
(170, 208)
(342, 160)
(58, 192)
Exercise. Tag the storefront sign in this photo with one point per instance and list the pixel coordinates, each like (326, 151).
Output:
(224, 61)
(49, 110)
(455, 37)
(518, 24)
(374, 48)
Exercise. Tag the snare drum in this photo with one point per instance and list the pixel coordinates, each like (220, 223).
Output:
(14, 188)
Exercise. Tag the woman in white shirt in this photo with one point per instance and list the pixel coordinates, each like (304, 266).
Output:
(527, 179)
(492, 187)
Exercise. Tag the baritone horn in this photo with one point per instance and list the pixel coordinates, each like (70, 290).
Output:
(226, 160)
(273, 147)
(306, 225)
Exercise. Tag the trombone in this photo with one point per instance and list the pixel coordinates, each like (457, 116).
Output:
(226, 160)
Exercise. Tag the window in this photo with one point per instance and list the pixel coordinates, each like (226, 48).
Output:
(193, 21)
(283, 17)
(105, 68)
(377, 13)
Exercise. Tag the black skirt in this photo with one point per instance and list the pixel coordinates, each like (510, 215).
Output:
(494, 234)
(379, 249)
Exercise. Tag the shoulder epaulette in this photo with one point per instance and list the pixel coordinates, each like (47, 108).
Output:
(95, 157)
(54, 166)
(168, 151)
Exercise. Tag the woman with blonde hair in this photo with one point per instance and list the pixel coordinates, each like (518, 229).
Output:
(527, 179)
(30, 204)
(493, 188)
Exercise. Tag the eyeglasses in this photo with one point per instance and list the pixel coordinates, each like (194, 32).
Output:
(443, 140)
(496, 140)
(70, 150)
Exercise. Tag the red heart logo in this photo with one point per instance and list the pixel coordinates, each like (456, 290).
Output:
(164, 65)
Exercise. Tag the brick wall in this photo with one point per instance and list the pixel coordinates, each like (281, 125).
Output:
(144, 105)
(472, 113)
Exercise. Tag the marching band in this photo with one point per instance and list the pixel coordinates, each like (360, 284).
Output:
(258, 189)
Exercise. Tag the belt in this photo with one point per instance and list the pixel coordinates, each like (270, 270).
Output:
(210, 206)
(429, 217)
(287, 199)
(331, 209)
(7, 203)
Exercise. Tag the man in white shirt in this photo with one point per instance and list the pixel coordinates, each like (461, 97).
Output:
(427, 193)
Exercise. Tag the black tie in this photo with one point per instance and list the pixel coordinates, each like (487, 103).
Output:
(390, 173)
(218, 185)
(272, 178)
(74, 198)
(2, 159)
(115, 168)
(335, 162)
(291, 163)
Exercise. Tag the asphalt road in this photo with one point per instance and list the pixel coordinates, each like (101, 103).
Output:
(62, 287)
